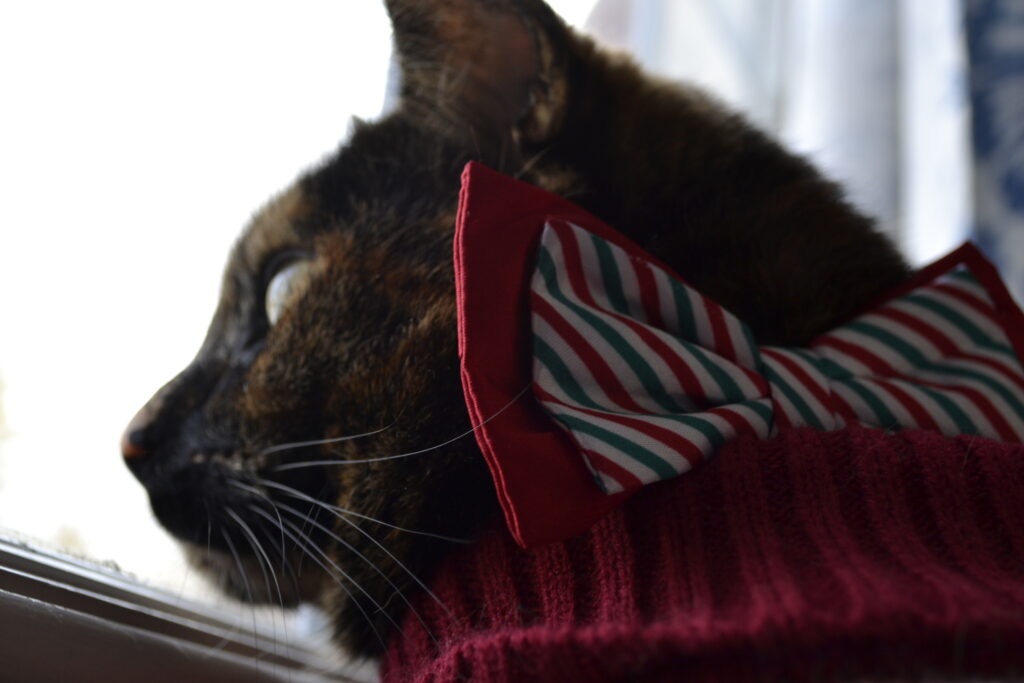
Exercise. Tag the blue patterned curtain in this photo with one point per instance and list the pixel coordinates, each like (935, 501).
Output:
(995, 43)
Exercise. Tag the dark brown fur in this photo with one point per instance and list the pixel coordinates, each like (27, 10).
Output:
(369, 342)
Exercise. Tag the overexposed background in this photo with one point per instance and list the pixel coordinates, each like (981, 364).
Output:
(136, 139)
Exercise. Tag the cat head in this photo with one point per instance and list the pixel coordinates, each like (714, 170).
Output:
(318, 443)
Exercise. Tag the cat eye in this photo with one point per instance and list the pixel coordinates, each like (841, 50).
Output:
(283, 286)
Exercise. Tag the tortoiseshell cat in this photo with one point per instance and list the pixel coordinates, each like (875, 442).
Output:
(337, 313)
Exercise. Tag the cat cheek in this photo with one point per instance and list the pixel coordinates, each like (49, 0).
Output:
(256, 400)
(272, 390)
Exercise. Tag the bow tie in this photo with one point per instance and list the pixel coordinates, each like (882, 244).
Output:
(635, 377)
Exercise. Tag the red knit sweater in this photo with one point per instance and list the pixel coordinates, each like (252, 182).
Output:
(813, 556)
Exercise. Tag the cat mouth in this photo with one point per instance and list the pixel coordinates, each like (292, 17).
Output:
(249, 541)
(250, 579)
(185, 500)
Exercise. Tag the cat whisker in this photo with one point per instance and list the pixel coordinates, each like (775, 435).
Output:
(307, 545)
(209, 554)
(377, 569)
(304, 543)
(286, 566)
(261, 555)
(256, 492)
(502, 158)
(268, 573)
(319, 442)
(339, 572)
(531, 162)
(311, 515)
(241, 575)
(361, 461)
(340, 514)
(287, 570)
(209, 529)
(235, 629)
(295, 493)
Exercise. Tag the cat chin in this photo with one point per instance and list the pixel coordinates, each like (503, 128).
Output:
(247, 580)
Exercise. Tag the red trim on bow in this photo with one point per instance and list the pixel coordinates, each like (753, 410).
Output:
(498, 228)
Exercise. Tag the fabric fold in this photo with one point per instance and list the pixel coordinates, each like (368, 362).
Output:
(591, 369)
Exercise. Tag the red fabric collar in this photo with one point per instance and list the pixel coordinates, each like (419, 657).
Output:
(499, 225)
(492, 271)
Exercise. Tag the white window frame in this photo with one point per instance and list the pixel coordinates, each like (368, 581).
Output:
(67, 619)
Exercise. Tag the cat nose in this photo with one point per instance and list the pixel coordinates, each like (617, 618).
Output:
(137, 439)
(130, 448)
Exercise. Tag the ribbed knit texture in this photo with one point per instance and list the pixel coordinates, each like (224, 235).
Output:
(814, 556)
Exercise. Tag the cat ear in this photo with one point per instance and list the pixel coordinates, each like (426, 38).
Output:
(483, 66)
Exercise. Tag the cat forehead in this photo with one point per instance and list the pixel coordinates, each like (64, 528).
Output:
(274, 228)
(391, 184)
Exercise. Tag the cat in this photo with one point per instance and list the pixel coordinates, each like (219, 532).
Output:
(335, 334)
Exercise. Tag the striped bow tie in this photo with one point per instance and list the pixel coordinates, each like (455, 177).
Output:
(636, 377)
(649, 377)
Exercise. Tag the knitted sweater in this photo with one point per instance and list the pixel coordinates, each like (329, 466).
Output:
(813, 556)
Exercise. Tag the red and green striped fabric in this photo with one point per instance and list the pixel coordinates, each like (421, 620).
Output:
(649, 377)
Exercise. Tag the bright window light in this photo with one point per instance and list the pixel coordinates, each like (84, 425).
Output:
(136, 139)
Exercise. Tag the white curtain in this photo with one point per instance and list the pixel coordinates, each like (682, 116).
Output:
(873, 91)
